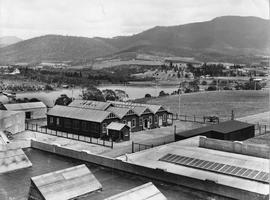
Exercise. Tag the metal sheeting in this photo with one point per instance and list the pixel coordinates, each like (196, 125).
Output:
(97, 105)
(221, 168)
(120, 112)
(66, 184)
(79, 113)
(24, 106)
(116, 126)
(13, 159)
(144, 192)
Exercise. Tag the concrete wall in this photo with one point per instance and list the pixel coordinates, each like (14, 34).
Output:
(235, 147)
(37, 113)
(16, 145)
(14, 123)
(156, 174)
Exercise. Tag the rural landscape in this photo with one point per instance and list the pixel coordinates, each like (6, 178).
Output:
(99, 104)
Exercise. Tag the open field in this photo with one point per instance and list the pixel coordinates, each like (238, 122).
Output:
(244, 103)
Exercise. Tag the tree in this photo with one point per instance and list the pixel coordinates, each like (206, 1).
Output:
(204, 83)
(92, 93)
(147, 96)
(212, 88)
(162, 93)
(109, 95)
(63, 100)
(48, 87)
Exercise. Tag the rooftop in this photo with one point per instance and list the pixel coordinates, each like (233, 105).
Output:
(222, 127)
(146, 191)
(7, 113)
(24, 106)
(79, 113)
(116, 126)
(66, 184)
(190, 148)
(98, 105)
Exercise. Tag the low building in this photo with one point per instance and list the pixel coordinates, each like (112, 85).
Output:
(118, 131)
(12, 121)
(65, 184)
(232, 130)
(32, 110)
(182, 62)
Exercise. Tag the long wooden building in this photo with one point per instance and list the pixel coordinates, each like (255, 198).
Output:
(91, 118)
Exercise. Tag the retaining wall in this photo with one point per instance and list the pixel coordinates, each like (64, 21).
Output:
(256, 150)
(156, 174)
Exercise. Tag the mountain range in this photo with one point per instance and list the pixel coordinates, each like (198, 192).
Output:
(8, 40)
(227, 35)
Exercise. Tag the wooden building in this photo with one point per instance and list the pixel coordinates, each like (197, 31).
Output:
(88, 122)
(32, 110)
(118, 131)
(231, 130)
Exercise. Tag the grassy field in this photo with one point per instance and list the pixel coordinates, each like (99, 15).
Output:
(221, 103)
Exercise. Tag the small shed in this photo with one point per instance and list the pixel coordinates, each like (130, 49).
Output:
(118, 131)
(32, 110)
(231, 130)
(65, 184)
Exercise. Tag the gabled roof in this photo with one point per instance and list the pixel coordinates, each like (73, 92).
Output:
(116, 126)
(66, 184)
(24, 106)
(147, 191)
(97, 105)
(79, 113)
(120, 112)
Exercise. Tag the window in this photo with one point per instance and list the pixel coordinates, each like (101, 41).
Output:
(164, 117)
(84, 126)
(67, 123)
(51, 120)
(140, 121)
(76, 124)
(28, 115)
(156, 118)
(150, 119)
(133, 123)
(57, 121)
(104, 128)
(124, 121)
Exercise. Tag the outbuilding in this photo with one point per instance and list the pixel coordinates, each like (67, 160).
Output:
(12, 121)
(118, 131)
(231, 130)
(32, 110)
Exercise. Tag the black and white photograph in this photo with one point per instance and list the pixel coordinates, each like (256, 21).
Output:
(134, 99)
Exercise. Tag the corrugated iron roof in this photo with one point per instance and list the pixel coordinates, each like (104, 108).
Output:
(79, 113)
(25, 106)
(116, 126)
(147, 191)
(66, 184)
(13, 159)
(97, 105)
(120, 112)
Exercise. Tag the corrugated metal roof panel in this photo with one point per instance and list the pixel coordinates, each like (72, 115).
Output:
(79, 113)
(116, 126)
(120, 112)
(24, 106)
(97, 105)
(66, 184)
(7, 113)
(144, 192)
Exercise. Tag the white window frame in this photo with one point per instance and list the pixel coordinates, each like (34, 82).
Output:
(133, 125)
(57, 121)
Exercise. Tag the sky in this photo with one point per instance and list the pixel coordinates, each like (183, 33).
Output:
(109, 18)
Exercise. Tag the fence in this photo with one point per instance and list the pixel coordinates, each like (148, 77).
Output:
(140, 147)
(45, 130)
(197, 119)
(261, 129)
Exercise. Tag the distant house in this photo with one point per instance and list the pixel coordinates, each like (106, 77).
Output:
(91, 118)
(232, 130)
(32, 110)
(118, 131)
(181, 62)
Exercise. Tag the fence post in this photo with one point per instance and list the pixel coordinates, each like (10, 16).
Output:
(152, 145)
(132, 147)
(36, 128)
(112, 144)
(56, 132)
(194, 118)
